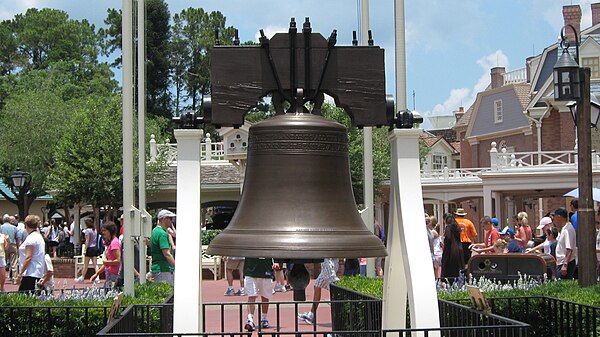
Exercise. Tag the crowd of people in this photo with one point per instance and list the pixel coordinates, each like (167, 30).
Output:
(27, 249)
(556, 236)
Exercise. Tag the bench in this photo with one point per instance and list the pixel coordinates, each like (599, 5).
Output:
(79, 260)
(211, 262)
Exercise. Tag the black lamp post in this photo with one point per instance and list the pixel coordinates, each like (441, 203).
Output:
(572, 83)
(20, 181)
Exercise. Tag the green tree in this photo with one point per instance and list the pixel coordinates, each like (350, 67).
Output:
(193, 36)
(31, 127)
(43, 37)
(157, 55)
(158, 67)
(88, 166)
(8, 49)
(88, 157)
(48, 62)
(381, 152)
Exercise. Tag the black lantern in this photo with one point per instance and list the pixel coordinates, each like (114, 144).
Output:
(20, 178)
(567, 75)
(566, 78)
(594, 111)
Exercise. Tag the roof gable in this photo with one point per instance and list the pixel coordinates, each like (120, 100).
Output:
(514, 97)
(545, 68)
(443, 146)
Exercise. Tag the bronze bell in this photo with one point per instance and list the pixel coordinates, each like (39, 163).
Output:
(297, 201)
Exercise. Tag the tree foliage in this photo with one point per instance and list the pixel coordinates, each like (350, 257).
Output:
(41, 37)
(157, 59)
(49, 65)
(158, 67)
(381, 152)
(89, 156)
(192, 38)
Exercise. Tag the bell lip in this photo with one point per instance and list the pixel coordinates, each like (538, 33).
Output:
(296, 254)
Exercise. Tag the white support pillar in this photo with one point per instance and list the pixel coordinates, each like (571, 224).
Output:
(439, 212)
(187, 307)
(487, 201)
(498, 205)
(408, 266)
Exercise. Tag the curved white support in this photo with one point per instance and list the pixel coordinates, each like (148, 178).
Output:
(409, 269)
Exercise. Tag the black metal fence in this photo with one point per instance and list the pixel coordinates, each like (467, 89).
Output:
(357, 315)
(52, 320)
(364, 319)
(226, 319)
(354, 311)
(548, 316)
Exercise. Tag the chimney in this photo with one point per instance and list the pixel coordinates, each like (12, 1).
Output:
(528, 67)
(497, 78)
(458, 114)
(595, 13)
(572, 16)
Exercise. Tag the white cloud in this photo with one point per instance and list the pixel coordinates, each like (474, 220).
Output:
(9, 9)
(270, 31)
(465, 96)
(433, 24)
(456, 99)
(496, 59)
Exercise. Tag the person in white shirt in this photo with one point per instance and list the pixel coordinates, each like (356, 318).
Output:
(31, 255)
(566, 246)
(4, 243)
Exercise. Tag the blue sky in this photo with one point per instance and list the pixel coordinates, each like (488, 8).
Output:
(451, 44)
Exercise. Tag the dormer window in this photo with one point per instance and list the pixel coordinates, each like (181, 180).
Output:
(593, 63)
(498, 114)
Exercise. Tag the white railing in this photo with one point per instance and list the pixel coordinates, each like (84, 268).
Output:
(209, 151)
(447, 174)
(543, 158)
(507, 161)
(515, 76)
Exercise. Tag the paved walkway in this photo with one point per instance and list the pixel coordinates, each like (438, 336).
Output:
(228, 313)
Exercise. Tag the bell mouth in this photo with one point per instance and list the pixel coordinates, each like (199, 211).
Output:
(303, 245)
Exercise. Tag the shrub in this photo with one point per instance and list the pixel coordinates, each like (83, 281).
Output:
(73, 313)
(525, 286)
(209, 234)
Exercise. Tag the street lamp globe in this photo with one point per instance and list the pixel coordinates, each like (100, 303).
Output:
(594, 111)
(20, 178)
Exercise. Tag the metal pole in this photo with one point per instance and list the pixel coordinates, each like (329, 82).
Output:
(368, 216)
(400, 55)
(141, 67)
(585, 213)
(127, 22)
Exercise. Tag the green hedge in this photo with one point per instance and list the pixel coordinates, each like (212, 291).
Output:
(209, 234)
(25, 315)
(565, 290)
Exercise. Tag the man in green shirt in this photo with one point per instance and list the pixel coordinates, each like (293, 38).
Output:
(163, 262)
(258, 275)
